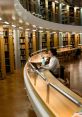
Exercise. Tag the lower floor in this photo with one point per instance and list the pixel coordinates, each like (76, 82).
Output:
(75, 68)
(14, 101)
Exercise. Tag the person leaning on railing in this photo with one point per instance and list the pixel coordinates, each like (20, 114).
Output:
(53, 65)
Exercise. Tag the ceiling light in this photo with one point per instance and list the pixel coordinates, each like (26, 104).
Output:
(13, 17)
(27, 23)
(41, 27)
(34, 26)
(13, 26)
(33, 30)
(40, 30)
(6, 22)
(27, 29)
(1, 32)
(56, 1)
(73, 33)
(20, 21)
(0, 18)
(54, 32)
(20, 27)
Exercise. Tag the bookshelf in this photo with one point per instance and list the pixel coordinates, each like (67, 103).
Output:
(65, 39)
(8, 49)
(2, 55)
(22, 48)
(77, 15)
(6, 45)
(11, 51)
(42, 8)
(34, 38)
(77, 39)
(56, 39)
(52, 39)
(71, 15)
(72, 40)
(26, 43)
(57, 12)
(44, 40)
(30, 42)
(50, 11)
(64, 14)
(54, 10)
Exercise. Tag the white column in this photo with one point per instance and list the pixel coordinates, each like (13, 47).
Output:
(60, 39)
(40, 40)
(17, 49)
(81, 16)
(80, 38)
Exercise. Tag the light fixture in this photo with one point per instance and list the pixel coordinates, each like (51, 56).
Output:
(40, 30)
(6, 22)
(56, 1)
(27, 29)
(27, 23)
(1, 32)
(0, 18)
(20, 21)
(13, 26)
(41, 27)
(13, 17)
(20, 27)
(54, 32)
(33, 30)
(34, 26)
(73, 32)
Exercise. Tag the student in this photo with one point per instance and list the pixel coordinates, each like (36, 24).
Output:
(53, 65)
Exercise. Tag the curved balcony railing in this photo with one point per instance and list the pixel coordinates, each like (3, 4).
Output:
(77, 102)
(42, 103)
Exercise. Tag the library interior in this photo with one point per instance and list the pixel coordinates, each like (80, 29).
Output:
(38, 37)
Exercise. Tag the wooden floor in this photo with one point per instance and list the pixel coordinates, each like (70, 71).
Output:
(75, 68)
(13, 98)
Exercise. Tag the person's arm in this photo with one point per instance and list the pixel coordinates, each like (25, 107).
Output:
(77, 115)
(51, 64)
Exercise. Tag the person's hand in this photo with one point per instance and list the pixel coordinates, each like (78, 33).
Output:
(41, 66)
(77, 114)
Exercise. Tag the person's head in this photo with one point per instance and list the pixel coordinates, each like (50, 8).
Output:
(52, 52)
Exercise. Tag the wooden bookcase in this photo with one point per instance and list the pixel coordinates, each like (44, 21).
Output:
(50, 11)
(65, 39)
(44, 40)
(56, 39)
(8, 49)
(77, 15)
(34, 38)
(42, 8)
(26, 43)
(64, 14)
(22, 48)
(11, 51)
(6, 45)
(71, 15)
(77, 39)
(30, 43)
(51, 39)
(2, 55)
(72, 40)
(56, 12)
